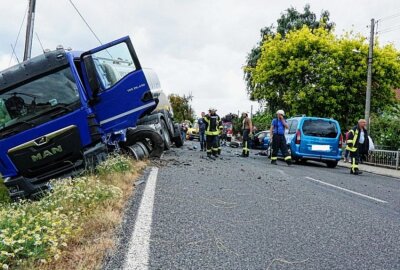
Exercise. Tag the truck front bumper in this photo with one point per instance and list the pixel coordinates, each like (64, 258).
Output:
(20, 187)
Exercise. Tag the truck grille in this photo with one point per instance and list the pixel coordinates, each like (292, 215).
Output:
(47, 154)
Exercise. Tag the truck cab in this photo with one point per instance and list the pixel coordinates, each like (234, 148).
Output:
(63, 110)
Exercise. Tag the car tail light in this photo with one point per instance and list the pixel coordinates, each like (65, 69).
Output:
(298, 137)
(341, 141)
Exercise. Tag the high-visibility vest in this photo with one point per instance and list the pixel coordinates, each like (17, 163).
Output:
(351, 143)
(213, 124)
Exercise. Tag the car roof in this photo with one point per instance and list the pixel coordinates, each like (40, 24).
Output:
(312, 118)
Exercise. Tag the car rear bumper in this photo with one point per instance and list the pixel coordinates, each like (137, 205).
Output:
(317, 156)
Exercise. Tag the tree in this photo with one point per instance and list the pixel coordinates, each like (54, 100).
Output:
(290, 20)
(385, 128)
(181, 107)
(313, 72)
(262, 120)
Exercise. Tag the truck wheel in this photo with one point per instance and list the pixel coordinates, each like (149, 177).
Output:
(178, 139)
(147, 136)
(138, 151)
(165, 134)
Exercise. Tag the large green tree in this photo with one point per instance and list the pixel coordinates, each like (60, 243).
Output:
(182, 107)
(290, 20)
(313, 72)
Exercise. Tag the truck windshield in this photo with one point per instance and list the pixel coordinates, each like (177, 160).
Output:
(25, 104)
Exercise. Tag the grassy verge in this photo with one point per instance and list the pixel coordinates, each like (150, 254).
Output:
(4, 197)
(71, 227)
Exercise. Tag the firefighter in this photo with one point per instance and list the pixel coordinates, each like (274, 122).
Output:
(247, 129)
(219, 139)
(277, 134)
(357, 142)
(213, 122)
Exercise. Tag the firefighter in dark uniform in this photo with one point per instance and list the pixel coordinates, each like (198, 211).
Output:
(357, 142)
(220, 129)
(277, 134)
(247, 129)
(214, 123)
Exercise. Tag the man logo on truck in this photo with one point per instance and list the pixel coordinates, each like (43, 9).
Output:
(47, 153)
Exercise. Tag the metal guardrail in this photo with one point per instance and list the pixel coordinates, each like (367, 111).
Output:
(384, 158)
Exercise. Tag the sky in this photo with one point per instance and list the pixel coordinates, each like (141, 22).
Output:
(197, 47)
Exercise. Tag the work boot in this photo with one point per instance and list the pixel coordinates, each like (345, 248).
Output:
(273, 162)
(289, 162)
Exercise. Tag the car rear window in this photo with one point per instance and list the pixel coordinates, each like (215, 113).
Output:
(320, 128)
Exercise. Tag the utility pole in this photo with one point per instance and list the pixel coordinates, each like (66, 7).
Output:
(29, 29)
(369, 75)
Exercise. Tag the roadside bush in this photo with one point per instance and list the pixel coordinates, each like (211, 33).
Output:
(4, 196)
(116, 163)
(38, 231)
(385, 129)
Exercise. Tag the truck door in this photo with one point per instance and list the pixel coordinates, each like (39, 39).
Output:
(122, 95)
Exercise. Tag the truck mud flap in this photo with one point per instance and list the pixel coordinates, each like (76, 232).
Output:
(148, 137)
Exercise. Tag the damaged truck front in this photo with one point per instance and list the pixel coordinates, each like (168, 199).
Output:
(64, 110)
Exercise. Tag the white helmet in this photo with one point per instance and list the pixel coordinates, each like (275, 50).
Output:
(280, 112)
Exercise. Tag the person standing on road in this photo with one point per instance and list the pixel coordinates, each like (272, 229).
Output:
(277, 134)
(213, 122)
(357, 143)
(346, 151)
(247, 129)
(202, 129)
(184, 130)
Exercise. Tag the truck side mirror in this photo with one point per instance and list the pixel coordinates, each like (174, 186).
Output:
(91, 75)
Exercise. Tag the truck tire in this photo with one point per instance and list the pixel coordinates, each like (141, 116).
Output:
(147, 136)
(138, 151)
(165, 134)
(178, 139)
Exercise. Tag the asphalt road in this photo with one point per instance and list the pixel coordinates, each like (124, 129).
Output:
(244, 213)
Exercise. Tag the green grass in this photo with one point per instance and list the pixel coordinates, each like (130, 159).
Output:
(4, 196)
(37, 232)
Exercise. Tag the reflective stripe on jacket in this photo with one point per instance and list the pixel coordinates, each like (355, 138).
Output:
(352, 140)
(213, 124)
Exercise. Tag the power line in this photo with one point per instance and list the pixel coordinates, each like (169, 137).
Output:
(41, 45)
(389, 17)
(13, 51)
(389, 29)
(91, 30)
(16, 40)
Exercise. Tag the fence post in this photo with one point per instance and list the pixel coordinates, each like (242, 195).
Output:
(397, 160)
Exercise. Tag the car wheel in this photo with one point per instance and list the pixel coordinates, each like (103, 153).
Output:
(331, 164)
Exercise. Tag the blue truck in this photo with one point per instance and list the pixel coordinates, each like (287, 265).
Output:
(63, 111)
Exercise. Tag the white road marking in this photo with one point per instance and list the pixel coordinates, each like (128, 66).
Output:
(138, 253)
(347, 190)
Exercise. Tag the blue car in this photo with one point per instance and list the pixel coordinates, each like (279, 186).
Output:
(314, 138)
(261, 140)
